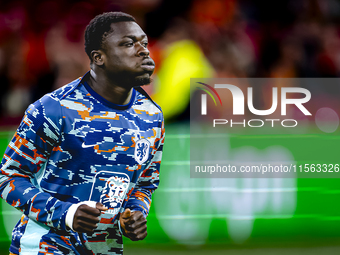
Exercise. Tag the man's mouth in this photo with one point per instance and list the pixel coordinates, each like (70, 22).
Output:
(148, 65)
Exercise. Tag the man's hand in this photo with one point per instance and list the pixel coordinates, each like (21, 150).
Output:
(133, 225)
(86, 218)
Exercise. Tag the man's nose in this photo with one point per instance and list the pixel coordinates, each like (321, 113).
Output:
(143, 51)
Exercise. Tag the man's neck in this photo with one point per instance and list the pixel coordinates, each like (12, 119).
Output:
(107, 88)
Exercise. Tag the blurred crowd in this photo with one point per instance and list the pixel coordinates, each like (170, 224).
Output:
(42, 45)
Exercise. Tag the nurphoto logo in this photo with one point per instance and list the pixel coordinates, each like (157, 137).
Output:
(238, 106)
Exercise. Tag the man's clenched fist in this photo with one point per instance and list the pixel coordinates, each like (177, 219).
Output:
(86, 217)
(133, 224)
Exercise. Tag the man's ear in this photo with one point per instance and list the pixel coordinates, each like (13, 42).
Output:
(97, 57)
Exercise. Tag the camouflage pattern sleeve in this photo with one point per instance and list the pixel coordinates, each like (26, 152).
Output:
(23, 164)
(148, 181)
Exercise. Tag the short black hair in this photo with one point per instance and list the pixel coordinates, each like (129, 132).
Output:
(100, 27)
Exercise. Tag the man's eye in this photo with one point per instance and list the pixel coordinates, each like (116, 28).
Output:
(145, 44)
(130, 44)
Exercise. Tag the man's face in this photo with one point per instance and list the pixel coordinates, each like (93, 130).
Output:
(126, 56)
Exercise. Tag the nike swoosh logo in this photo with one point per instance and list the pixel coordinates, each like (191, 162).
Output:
(87, 146)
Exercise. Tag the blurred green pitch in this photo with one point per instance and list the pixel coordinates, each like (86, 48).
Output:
(312, 228)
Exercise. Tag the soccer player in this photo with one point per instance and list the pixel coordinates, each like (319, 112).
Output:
(85, 159)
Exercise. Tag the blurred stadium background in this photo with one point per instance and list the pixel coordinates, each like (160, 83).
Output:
(41, 49)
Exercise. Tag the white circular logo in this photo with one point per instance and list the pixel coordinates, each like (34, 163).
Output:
(142, 150)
